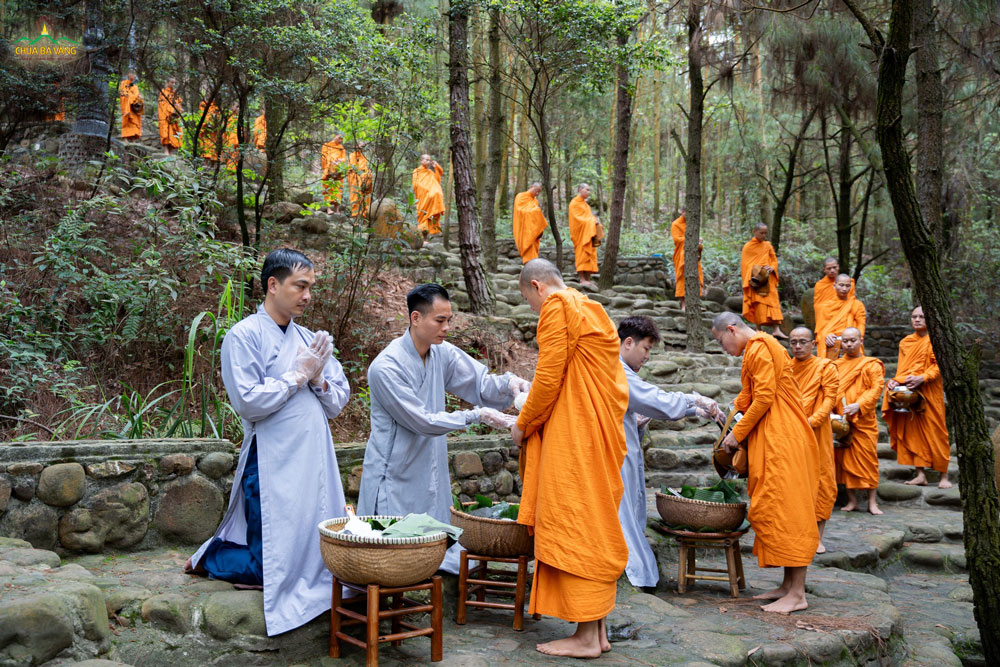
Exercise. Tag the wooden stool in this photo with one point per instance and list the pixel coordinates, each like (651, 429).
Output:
(399, 606)
(503, 582)
(687, 570)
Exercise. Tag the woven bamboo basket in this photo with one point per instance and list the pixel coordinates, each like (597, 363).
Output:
(386, 561)
(493, 537)
(699, 514)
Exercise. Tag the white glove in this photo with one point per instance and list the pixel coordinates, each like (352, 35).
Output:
(642, 420)
(705, 408)
(322, 345)
(519, 385)
(496, 419)
(308, 362)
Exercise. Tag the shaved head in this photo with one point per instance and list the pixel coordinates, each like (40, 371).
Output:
(801, 343)
(542, 271)
(801, 332)
(851, 331)
(725, 320)
(731, 332)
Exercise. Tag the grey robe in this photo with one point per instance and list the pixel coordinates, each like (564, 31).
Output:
(650, 401)
(406, 460)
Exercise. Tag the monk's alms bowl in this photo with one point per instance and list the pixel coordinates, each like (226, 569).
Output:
(700, 515)
(841, 428)
(500, 538)
(901, 399)
(386, 561)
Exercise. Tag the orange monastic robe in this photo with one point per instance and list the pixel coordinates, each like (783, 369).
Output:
(756, 308)
(781, 456)
(825, 293)
(582, 230)
(818, 381)
(861, 380)
(677, 229)
(208, 140)
(919, 438)
(571, 460)
(835, 316)
(331, 156)
(260, 132)
(430, 198)
(359, 181)
(168, 110)
(128, 94)
(231, 143)
(529, 224)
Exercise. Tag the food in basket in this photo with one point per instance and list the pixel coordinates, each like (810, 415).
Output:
(486, 508)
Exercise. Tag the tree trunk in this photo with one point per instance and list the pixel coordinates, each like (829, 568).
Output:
(656, 150)
(958, 363)
(692, 176)
(786, 192)
(930, 105)
(449, 187)
(488, 189)
(623, 127)
(277, 120)
(843, 203)
(541, 125)
(480, 295)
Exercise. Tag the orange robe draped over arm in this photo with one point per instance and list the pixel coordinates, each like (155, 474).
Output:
(919, 438)
(168, 110)
(430, 198)
(818, 381)
(128, 94)
(781, 457)
(260, 132)
(572, 480)
(756, 308)
(835, 316)
(529, 224)
(331, 156)
(861, 380)
(582, 230)
(359, 182)
(677, 230)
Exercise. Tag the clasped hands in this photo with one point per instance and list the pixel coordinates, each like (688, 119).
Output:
(310, 361)
(910, 382)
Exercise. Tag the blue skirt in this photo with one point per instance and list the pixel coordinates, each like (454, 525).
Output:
(241, 563)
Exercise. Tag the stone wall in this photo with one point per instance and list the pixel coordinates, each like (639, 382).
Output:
(647, 270)
(94, 495)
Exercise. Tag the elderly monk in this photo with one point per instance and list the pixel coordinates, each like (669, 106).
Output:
(677, 230)
(430, 197)
(761, 309)
(919, 438)
(861, 380)
(638, 334)
(824, 291)
(844, 311)
(574, 445)
(130, 101)
(406, 461)
(780, 460)
(583, 230)
(529, 222)
(332, 156)
(818, 381)
(168, 115)
(359, 181)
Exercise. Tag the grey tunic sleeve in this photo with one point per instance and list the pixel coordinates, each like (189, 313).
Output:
(470, 380)
(337, 388)
(394, 394)
(253, 394)
(651, 401)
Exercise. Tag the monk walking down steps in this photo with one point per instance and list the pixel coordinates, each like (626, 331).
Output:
(573, 445)
(759, 276)
(780, 472)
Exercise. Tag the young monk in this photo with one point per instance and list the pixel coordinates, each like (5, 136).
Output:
(861, 380)
(823, 290)
(429, 195)
(529, 222)
(582, 230)
(919, 438)
(574, 445)
(677, 230)
(638, 334)
(836, 315)
(764, 310)
(168, 111)
(131, 105)
(406, 462)
(332, 156)
(818, 381)
(285, 385)
(780, 467)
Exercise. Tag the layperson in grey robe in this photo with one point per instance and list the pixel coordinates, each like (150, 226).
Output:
(638, 335)
(406, 461)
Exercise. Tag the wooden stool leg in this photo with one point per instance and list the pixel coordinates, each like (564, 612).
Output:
(397, 621)
(335, 602)
(482, 572)
(682, 569)
(371, 628)
(742, 580)
(437, 640)
(522, 576)
(463, 587)
(734, 588)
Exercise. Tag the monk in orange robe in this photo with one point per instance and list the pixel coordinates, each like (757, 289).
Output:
(583, 230)
(677, 230)
(132, 106)
(429, 195)
(260, 131)
(781, 459)
(573, 443)
(818, 381)
(359, 181)
(168, 115)
(919, 438)
(824, 291)
(764, 310)
(208, 140)
(529, 222)
(332, 156)
(835, 316)
(861, 380)
(230, 139)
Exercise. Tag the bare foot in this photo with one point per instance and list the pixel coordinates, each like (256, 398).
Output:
(776, 594)
(248, 587)
(849, 507)
(188, 567)
(570, 647)
(821, 548)
(945, 483)
(778, 333)
(787, 604)
(919, 480)
(873, 508)
(602, 633)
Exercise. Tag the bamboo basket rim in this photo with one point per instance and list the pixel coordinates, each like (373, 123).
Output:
(699, 502)
(486, 519)
(340, 538)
